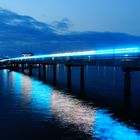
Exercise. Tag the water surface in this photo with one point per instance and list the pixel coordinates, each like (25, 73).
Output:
(31, 109)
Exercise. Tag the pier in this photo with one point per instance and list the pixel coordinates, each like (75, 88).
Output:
(127, 59)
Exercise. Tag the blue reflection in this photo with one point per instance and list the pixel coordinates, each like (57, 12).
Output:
(105, 127)
(32, 94)
(41, 98)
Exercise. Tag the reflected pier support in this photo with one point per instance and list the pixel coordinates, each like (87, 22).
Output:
(54, 74)
(127, 83)
(69, 77)
(127, 87)
(82, 79)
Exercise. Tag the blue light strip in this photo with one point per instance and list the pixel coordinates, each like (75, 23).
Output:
(114, 52)
(126, 50)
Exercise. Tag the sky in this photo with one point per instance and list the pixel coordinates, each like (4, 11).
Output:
(84, 15)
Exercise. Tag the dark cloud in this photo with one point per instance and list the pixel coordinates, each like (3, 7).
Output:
(17, 33)
(64, 25)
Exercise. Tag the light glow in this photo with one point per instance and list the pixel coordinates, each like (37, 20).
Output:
(97, 53)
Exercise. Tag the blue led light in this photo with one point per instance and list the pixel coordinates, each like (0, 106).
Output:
(126, 50)
(104, 52)
(107, 52)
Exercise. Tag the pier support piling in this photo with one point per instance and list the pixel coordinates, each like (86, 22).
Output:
(39, 71)
(16, 67)
(44, 71)
(54, 74)
(22, 67)
(11, 67)
(30, 69)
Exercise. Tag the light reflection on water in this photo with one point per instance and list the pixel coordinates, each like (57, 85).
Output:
(72, 111)
(105, 127)
(52, 104)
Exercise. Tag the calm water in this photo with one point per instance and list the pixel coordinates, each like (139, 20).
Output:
(31, 109)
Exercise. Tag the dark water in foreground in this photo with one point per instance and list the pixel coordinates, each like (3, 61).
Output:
(30, 109)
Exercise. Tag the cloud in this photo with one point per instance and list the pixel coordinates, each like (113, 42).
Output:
(63, 25)
(12, 20)
(18, 32)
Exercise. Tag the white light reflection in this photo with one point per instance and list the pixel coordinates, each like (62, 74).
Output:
(92, 121)
(26, 88)
(72, 111)
(5, 77)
